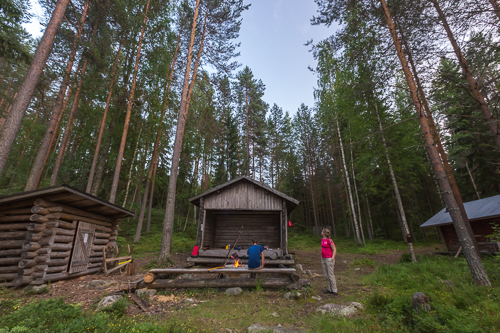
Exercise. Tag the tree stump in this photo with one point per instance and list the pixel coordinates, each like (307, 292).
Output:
(420, 302)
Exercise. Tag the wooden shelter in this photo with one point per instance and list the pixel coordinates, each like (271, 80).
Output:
(482, 215)
(54, 233)
(246, 205)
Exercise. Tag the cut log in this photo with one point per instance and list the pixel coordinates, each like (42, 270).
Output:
(23, 280)
(64, 232)
(39, 218)
(71, 217)
(61, 247)
(29, 255)
(49, 232)
(25, 271)
(32, 237)
(39, 275)
(41, 268)
(18, 211)
(97, 264)
(15, 218)
(45, 250)
(26, 263)
(11, 244)
(42, 259)
(62, 276)
(47, 241)
(73, 210)
(101, 241)
(14, 226)
(52, 224)
(66, 225)
(56, 269)
(8, 269)
(10, 261)
(295, 277)
(96, 254)
(31, 246)
(113, 238)
(40, 210)
(13, 234)
(241, 270)
(98, 248)
(11, 253)
(63, 239)
(64, 254)
(34, 227)
(57, 262)
(103, 229)
(102, 235)
(96, 259)
(149, 277)
(8, 276)
(220, 283)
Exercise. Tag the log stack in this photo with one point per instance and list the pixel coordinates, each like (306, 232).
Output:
(38, 236)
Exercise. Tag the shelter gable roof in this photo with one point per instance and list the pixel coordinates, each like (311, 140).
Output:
(195, 200)
(477, 209)
(70, 196)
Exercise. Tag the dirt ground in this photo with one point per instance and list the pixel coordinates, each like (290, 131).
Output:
(348, 281)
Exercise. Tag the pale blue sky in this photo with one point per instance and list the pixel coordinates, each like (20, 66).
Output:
(272, 36)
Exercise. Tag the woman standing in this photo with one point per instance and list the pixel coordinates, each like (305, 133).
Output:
(328, 252)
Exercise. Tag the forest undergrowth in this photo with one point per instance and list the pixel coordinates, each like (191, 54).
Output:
(384, 286)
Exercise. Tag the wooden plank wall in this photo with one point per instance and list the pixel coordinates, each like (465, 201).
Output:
(481, 229)
(265, 226)
(243, 195)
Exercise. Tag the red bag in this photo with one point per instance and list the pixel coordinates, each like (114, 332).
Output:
(290, 224)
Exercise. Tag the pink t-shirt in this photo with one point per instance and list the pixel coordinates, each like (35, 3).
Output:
(326, 249)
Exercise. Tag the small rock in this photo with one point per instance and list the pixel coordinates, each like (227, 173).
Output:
(275, 314)
(188, 276)
(344, 261)
(37, 289)
(100, 284)
(258, 328)
(228, 330)
(293, 287)
(357, 305)
(316, 298)
(357, 269)
(338, 309)
(145, 292)
(234, 291)
(293, 295)
(108, 301)
(300, 269)
(420, 302)
(189, 300)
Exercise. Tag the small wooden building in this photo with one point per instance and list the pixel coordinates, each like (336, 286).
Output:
(482, 215)
(54, 233)
(246, 205)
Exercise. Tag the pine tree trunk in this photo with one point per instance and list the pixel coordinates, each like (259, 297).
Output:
(357, 195)
(67, 132)
(36, 172)
(103, 122)
(474, 261)
(491, 120)
(116, 177)
(5, 96)
(351, 201)
(6, 114)
(248, 134)
(371, 234)
(168, 222)
(132, 167)
(151, 195)
(334, 229)
(25, 92)
(401, 209)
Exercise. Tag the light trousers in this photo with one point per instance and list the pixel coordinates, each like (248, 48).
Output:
(328, 265)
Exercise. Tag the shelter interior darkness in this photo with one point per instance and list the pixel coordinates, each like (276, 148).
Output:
(222, 227)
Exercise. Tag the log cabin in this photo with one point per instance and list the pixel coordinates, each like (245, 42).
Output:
(482, 214)
(54, 233)
(246, 205)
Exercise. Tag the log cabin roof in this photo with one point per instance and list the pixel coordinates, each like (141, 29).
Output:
(69, 196)
(476, 210)
(291, 202)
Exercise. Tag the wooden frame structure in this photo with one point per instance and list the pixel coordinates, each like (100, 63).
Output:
(54, 233)
(246, 205)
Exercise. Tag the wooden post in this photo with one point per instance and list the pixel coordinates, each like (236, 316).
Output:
(284, 229)
(200, 222)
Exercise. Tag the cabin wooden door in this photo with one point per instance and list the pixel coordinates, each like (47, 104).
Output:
(82, 247)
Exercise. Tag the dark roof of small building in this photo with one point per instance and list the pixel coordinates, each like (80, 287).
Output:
(291, 201)
(69, 196)
(476, 210)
